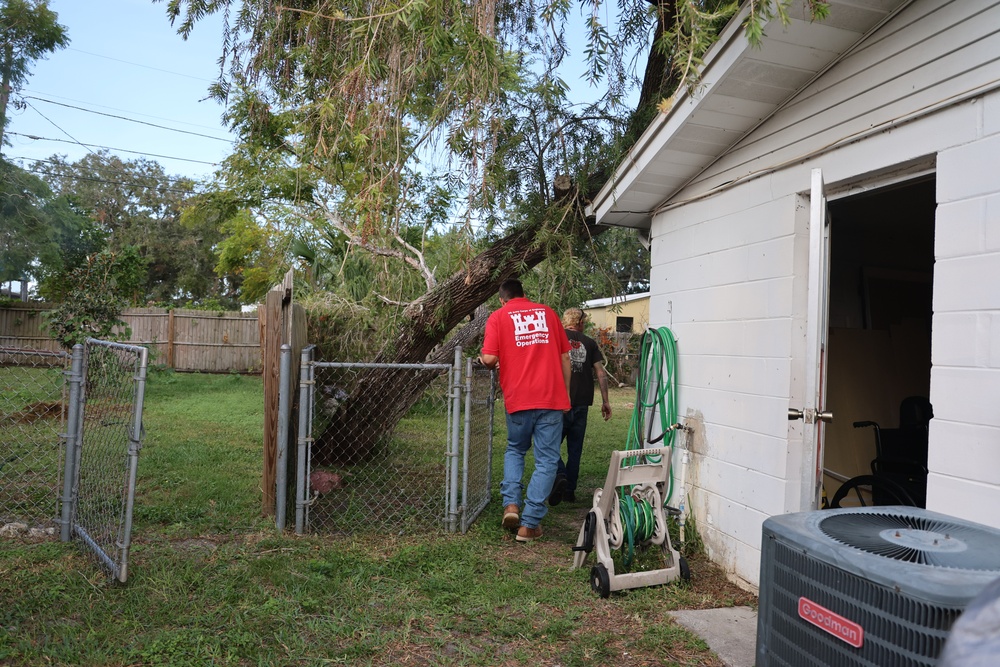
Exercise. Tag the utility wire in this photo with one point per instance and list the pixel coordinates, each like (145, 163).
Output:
(111, 148)
(172, 180)
(131, 120)
(155, 69)
(107, 182)
(75, 140)
(47, 96)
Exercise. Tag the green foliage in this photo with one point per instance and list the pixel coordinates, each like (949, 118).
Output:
(97, 293)
(29, 31)
(41, 235)
(341, 329)
(251, 255)
(134, 203)
(25, 228)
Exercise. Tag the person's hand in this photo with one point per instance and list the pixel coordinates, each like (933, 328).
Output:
(606, 410)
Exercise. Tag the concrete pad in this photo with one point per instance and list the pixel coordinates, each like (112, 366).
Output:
(730, 632)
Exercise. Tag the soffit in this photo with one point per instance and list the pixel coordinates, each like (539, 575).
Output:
(741, 87)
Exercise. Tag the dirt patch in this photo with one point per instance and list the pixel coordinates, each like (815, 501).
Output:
(35, 411)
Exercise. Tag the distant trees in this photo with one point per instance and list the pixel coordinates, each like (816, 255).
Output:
(135, 204)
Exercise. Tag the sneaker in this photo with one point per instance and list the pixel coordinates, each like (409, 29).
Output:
(525, 534)
(569, 496)
(511, 518)
(558, 486)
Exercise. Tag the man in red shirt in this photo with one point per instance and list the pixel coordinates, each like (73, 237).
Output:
(529, 343)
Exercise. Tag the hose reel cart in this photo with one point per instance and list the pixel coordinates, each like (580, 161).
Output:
(631, 508)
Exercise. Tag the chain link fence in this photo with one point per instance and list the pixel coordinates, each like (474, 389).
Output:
(381, 448)
(32, 423)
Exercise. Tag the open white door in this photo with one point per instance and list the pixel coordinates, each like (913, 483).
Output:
(814, 412)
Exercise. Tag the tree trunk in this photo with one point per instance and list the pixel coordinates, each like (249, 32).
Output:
(380, 397)
(659, 79)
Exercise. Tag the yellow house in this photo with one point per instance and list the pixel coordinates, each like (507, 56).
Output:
(628, 313)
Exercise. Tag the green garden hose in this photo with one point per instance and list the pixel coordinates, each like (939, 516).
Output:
(655, 393)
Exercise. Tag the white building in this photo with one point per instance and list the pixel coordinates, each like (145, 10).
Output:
(824, 221)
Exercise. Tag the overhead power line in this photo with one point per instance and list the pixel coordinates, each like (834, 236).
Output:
(155, 69)
(111, 148)
(125, 118)
(106, 181)
(166, 178)
(93, 105)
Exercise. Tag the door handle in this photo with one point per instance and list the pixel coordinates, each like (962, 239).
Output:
(809, 415)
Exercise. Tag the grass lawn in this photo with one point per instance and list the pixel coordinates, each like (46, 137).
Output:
(211, 583)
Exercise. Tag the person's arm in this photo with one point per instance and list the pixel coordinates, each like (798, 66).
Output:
(491, 343)
(602, 381)
(567, 369)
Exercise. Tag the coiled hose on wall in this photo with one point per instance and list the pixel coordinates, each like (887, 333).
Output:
(655, 399)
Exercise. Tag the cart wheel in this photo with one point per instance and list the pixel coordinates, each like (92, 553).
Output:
(599, 580)
(685, 569)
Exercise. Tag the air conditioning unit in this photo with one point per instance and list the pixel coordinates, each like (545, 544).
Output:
(873, 586)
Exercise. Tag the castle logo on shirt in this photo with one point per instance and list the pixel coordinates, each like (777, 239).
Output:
(577, 355)
(530, 327)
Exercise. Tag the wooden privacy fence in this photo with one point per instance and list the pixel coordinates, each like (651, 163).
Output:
(186, 340)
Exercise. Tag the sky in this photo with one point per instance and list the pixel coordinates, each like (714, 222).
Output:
(124, 63)
(128, 82)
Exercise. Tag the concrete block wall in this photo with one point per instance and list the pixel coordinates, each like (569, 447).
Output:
(964, 457)
(723, 280)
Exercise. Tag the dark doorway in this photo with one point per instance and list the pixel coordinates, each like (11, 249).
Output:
(879, 351)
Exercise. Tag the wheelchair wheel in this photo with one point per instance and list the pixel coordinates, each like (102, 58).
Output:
(886, 489)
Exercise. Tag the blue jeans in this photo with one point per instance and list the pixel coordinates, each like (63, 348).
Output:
(545, 427)
(574, 429)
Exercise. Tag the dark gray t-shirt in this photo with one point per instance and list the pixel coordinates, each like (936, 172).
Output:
(583, 354)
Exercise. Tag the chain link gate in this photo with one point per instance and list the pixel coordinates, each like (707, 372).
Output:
(477, 475)
(73, 422)
(385, 447)
(103, 439)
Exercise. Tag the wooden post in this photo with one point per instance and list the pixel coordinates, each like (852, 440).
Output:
(276, 326)
(271, 328)
(170, 338)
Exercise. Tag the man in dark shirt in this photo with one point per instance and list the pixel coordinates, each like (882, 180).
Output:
(586, 361)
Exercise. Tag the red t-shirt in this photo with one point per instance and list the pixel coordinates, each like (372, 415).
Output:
(529, 340)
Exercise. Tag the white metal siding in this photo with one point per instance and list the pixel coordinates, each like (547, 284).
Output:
(724, 282)
(929, 54)
(729, 272)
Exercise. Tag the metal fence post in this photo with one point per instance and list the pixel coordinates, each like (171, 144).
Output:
(71, 436)
(467, 441)
(134, 445)
(284, 415)
(302, 452)
(456, 412)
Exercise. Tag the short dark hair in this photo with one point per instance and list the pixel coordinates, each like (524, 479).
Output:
(511, 289)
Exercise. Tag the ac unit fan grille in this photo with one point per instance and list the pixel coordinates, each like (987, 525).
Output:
(915, 539)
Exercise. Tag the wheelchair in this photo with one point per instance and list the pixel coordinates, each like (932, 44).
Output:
(899, 469)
